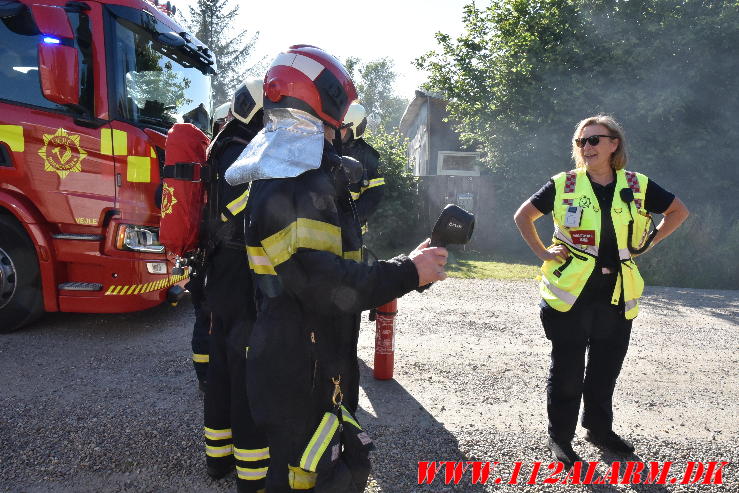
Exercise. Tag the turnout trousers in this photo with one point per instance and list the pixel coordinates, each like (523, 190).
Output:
(201, 328)
(231, 437)
(291, 371)
(595, 328)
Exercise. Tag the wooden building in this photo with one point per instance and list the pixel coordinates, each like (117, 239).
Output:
(447, 173)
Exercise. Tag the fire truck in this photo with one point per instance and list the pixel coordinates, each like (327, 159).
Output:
(88, 91)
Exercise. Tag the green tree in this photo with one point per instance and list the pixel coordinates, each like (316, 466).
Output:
(375, 81)
(525, 71)
(212, 23)
(397, 216)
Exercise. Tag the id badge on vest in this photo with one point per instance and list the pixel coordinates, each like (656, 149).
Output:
(573, 216)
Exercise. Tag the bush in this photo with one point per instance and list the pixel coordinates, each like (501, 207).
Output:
(701, 254)
(394, 223)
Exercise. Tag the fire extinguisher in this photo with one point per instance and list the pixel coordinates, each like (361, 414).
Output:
(385, 340)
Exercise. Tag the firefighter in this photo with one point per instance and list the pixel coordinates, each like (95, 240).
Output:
(231, 438)
(201, 328)
(221, 116)
(303, 242)
(368, 192)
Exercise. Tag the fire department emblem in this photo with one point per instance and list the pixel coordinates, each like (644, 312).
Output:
(62, 153)
(168, 199)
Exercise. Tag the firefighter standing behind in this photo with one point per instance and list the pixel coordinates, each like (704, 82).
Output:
(201, 328)
(303, 241)
(368, 192)
(590, 284)
(231, 437)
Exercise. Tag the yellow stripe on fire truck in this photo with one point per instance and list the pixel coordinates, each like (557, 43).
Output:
(133, 289)
(115, 143)
(13, 136)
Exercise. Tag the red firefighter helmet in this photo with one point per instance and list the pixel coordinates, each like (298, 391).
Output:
(309, 79)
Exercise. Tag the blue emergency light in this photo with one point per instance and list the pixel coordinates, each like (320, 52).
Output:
(52, 41)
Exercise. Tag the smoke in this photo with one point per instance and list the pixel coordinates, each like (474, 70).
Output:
(665, 69)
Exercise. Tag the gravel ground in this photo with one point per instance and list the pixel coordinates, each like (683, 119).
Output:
(109, 403)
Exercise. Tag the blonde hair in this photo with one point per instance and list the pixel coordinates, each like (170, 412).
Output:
(618, 158)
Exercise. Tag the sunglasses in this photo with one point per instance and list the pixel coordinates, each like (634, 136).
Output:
(593, 140)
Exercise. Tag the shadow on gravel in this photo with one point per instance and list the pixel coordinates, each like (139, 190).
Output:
(405, 433)
(720, 304)
(121, 326)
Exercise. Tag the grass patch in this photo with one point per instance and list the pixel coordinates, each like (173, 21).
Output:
(484, 267)
(475, 265)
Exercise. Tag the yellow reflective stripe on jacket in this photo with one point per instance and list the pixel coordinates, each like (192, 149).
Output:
(251, 473)
(259, 262)
(302, 233)
(250, 455)
(300, 479)
(223, 451)
(319, 442)
(355, 255)
(355, 195)
(201, 358)
(237, 205)
(375, 182)
(347, 417)
(213, 434)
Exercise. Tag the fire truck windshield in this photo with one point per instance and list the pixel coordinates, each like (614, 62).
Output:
(158, 84)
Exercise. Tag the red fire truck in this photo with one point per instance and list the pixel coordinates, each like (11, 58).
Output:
(88, 90)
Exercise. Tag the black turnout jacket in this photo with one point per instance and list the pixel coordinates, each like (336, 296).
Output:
(303, 242)
(367, 194)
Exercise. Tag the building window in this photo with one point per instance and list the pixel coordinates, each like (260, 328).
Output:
(458, 163)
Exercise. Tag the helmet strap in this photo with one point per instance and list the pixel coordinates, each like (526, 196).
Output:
(337, 141)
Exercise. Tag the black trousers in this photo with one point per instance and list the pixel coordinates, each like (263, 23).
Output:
(592, 328)
(290, 382)
(231, 436)
(201, 328)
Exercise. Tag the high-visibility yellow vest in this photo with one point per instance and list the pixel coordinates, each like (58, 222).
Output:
(562, 282)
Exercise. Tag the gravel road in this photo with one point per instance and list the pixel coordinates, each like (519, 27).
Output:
(109, 403)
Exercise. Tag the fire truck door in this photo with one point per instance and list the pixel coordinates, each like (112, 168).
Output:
(57, 157)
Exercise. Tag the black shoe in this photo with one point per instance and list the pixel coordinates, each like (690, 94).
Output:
(611, 441)
(562, 452)
(219, 472)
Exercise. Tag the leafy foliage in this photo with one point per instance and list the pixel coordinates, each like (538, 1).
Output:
(524, 72)
(395, 220)
(212, 21)
(374, 81)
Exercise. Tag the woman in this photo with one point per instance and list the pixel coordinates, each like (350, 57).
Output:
(590, 283)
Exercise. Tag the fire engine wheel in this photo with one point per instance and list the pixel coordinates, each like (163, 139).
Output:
(20, 280)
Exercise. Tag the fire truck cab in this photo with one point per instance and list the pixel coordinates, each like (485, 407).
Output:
(88, 91)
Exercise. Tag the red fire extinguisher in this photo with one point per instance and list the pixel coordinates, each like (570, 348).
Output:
(385, 340)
